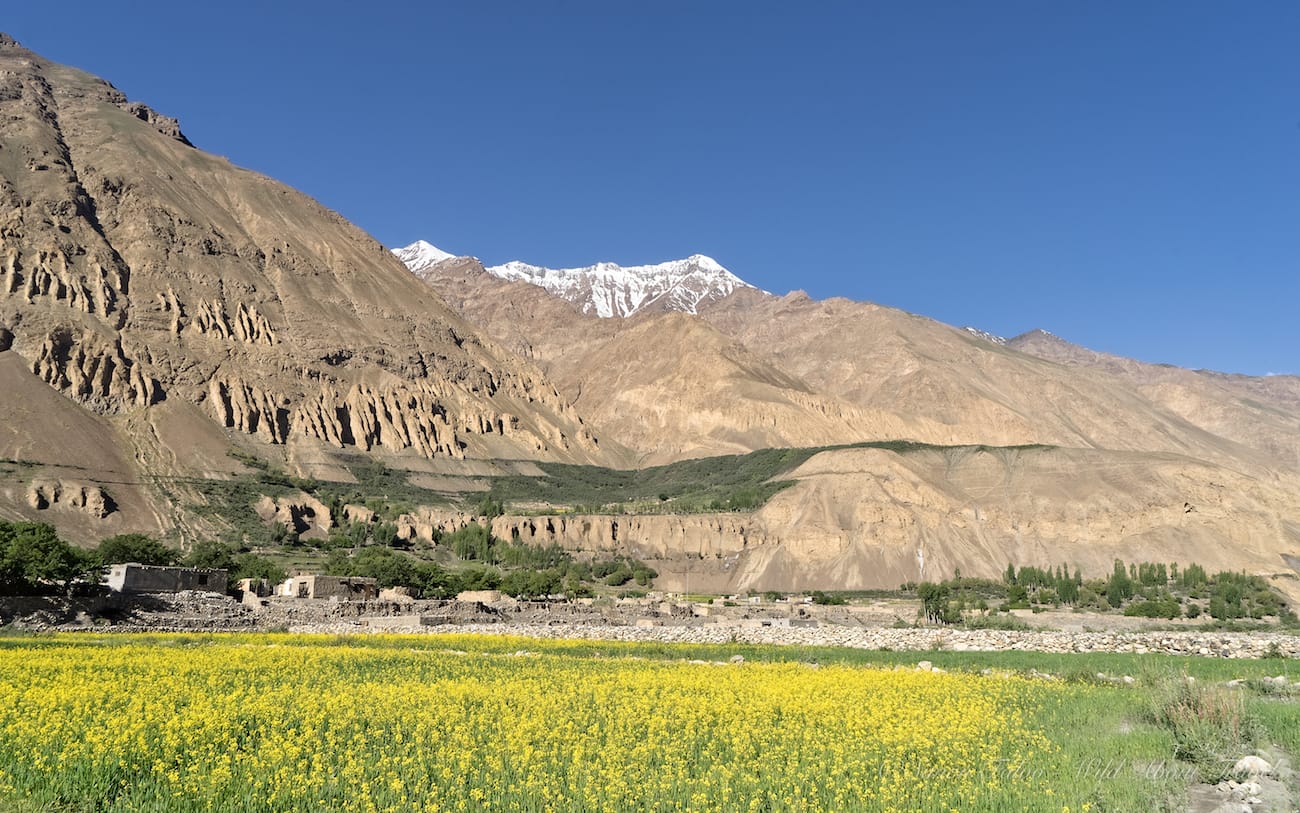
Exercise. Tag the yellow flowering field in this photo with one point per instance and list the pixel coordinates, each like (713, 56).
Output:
(279, 722)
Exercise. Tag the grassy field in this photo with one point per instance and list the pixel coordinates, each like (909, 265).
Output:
(278, 722)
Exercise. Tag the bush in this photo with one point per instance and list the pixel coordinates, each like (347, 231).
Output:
(619, 577)
(1209, 725)
(819, 597)
(1164, 607)
(531, 583)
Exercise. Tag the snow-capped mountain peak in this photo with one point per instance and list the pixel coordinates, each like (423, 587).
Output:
(986, 336)
(607, 289)
(420, 255)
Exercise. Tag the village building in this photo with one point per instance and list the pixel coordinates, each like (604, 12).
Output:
(341, 588)
(131, 577)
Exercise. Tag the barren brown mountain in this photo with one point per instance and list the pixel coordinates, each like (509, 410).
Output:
(1127, 459)
(182, 303)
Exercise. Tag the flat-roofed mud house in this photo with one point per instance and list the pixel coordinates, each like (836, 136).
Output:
(131, 577)
(344, 588)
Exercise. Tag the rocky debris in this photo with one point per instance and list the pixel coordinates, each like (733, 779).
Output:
(45, 494)
(678, 624)
(166, 125)
(1258, 785)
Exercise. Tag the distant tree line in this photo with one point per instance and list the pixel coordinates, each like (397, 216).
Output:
(35, 560)
(1146, 589)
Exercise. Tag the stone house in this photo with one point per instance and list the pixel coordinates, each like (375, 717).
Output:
(342, 588)
(131, 577)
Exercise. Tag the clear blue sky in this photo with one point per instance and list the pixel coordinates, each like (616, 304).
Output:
(1126, 175)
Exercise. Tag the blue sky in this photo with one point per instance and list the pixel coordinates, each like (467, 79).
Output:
(1125, 175)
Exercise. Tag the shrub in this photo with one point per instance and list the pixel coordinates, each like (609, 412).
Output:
(1209, 724)
(819, 597)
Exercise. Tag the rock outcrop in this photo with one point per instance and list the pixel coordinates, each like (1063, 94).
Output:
(301, 513)
(94, 371)
(166, 125)
(88, 499)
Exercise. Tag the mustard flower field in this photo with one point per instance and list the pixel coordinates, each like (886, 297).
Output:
(458, 723)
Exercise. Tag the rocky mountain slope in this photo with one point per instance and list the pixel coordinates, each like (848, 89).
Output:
(607, 289)
(875, 518)
(183, 304)
(1055, 453)
(760, 370)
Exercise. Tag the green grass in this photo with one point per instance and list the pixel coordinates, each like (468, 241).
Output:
(722, 483)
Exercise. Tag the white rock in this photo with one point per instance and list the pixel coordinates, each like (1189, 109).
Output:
(925, 666)
(1252, 766)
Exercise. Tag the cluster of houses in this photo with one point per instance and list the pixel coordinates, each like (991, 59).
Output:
(136, 578)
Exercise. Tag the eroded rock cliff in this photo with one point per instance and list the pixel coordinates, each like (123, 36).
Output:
(136, 270)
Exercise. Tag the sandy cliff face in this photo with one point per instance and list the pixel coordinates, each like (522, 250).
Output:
(870, 518)
(137, 271)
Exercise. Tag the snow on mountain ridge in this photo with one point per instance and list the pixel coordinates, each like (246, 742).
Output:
(608, 289)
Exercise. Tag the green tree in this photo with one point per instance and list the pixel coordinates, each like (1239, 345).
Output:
(137, 548)
(209, 553)
(473, 542)
(490, 508)
(1120, 586)
(252, 566)
(936, 603)
(33, 559)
